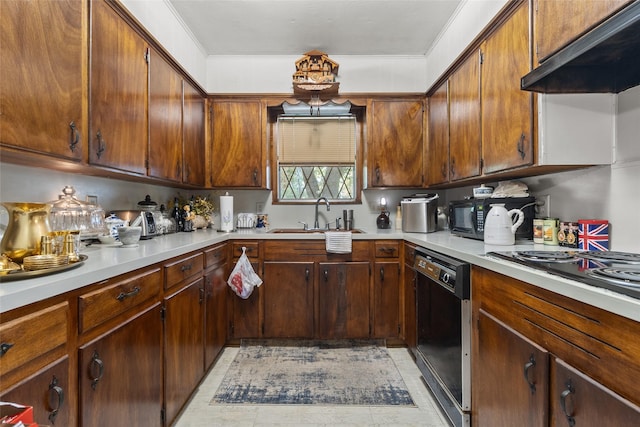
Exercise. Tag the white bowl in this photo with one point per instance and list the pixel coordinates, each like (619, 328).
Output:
(107, 239)
(129, 235)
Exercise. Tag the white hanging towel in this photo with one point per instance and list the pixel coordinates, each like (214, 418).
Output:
(338, 242)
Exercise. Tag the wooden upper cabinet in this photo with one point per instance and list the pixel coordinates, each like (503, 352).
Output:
(507, 123)
(165, 120)
(43, 76)
(395, 143)
(464, 120)
(438, 141)
(238, 151)
(193, 139)
(119, 94)
(558, 23)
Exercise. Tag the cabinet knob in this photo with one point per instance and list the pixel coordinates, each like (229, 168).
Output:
(55, 394)
(306, 274)
(4, 347)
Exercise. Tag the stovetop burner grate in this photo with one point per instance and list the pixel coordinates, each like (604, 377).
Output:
(620, 257)
(547, 256)
(620, 275)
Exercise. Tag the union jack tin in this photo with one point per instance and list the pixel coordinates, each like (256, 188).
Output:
(593, 234)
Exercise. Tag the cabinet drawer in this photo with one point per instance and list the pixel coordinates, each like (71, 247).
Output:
(182, 269)
(107, 302)
(387, 248)
(253, 249)
(30, 336)
(215, 256)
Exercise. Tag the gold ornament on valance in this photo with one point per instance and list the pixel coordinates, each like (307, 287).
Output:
(315, 74)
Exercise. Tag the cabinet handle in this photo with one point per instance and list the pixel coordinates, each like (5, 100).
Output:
(306, 274)
(201, 296)
(387, 250)
(255, 176)
(452, 167)
(382, 274)
(74, 137)
(520, 146)
(326, 275)
(101, 144)
(4, 347)
(95, 363)
(124, 295)
(58, 394)
(563, 403)
(527, 367)
(186, 267)
(378, 174)
(443, 171)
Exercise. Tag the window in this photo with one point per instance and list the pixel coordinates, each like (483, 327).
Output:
(316, 158)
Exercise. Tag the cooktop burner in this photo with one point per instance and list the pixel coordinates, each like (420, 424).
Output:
(616, 271)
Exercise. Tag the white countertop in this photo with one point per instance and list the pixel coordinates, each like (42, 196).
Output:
(106, 261)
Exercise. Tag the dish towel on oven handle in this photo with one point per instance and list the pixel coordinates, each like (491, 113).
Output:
(243, 278)
(338, 242)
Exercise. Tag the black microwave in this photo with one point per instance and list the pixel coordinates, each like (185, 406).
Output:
(466, 217)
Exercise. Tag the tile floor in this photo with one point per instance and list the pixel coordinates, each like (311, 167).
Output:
(200, 414)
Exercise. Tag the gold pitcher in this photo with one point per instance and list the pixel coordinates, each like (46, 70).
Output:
(28, 222)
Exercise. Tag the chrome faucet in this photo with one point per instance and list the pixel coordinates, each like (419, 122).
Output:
(316, 225)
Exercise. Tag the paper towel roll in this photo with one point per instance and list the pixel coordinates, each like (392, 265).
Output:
(226, 212)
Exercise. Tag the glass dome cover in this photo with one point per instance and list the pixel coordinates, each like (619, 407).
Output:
(72, 215)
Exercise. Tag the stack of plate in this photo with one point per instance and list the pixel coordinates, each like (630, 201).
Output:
(41, 262)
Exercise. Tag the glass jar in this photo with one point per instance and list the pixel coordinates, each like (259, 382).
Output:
(68, 214)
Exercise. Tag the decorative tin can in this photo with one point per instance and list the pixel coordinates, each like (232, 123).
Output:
(550, 231)
(538, 230)
(593, 234)
(568, 234)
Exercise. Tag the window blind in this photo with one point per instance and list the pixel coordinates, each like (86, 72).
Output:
(316, 140)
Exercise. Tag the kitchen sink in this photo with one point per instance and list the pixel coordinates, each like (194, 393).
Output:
(303, 231)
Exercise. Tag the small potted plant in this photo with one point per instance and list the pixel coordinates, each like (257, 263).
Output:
(202, 207)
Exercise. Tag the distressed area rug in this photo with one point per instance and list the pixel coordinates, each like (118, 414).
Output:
(313, 373)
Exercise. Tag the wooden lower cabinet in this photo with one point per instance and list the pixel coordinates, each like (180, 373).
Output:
(409, 293)
(342, 300)
(288, 299)
(245, 313)
(386, 300)
(50, 394)
(183, 345)
(215, 313)
(120, 374)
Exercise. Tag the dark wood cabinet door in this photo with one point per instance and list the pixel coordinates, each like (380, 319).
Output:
(120, 374)
(410, 319)
(50, 393)
(386, 299)
(342, 295)
(245, 313)
(184, 347)
(238, 144)
(215, 315)
(119, 92)
(395, 143)
(288, 299)
(557, 23)
(577, 400)
(507, 122)
(43, 77)
(438, 141)
(165, 120)
(464, 120)
(193, 122)
(510, 377)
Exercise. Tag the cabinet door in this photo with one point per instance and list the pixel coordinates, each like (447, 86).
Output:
(557, 23)
(342, 295)
(288, 299)
(43, 76)
(510, 377)
(120, 374)
(184, 347)
(464, 120)
(245, 313)
(215, 315)
(50, 394)
(410, 319)
(193, 118)
(238, 144)
(119, 93)
(395, 143)
(438, 143)
(165, 120)
(507, 140)
(386, 299)
(578, 400)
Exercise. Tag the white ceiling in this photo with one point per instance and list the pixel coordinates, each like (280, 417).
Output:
(337, 27)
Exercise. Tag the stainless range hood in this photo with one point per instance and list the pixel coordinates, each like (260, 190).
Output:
(604, 60)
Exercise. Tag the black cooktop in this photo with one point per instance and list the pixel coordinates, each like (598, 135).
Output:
(616, 271)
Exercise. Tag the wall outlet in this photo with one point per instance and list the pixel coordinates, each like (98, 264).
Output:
(543, 209)
(260, 207)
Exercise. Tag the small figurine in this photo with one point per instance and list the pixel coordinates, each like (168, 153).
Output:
(188, 218)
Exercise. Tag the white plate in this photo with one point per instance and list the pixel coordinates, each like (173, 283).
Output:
(133, 245)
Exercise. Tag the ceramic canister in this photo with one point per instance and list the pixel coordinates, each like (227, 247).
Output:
(550, 231)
